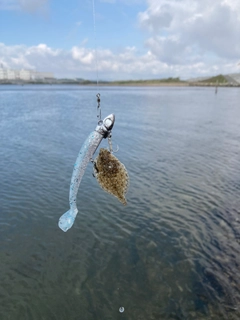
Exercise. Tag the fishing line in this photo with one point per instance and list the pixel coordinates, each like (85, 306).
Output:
(99, 116)
(96, 60)
(95, 39)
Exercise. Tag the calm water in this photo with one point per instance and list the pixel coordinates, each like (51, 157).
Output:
(172, 253)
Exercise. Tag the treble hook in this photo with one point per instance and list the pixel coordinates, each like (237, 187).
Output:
(110, 144)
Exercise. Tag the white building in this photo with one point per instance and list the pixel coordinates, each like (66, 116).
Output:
(10, 74)
(7, 74)
(47, 75)
(42, 75)
(2, 74)
(23, 74)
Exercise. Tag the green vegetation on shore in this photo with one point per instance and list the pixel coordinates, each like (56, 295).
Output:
(220, 79)
(148, 82)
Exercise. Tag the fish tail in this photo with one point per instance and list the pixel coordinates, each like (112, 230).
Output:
(67, 219)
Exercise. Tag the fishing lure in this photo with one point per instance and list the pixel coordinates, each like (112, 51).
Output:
(103, 130)
(111, 174)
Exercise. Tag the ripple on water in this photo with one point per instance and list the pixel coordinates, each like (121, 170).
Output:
(171, 253)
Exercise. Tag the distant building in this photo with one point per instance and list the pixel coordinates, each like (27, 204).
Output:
(11, 74)
(3, 74)
(24, 74)
(42, 75)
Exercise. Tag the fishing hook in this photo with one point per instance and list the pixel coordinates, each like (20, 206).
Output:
(110, 144)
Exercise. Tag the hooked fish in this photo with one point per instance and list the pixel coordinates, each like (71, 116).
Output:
(111, 174)
(103, 130)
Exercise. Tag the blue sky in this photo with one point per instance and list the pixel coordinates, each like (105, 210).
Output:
(134, 38)
(64, 24)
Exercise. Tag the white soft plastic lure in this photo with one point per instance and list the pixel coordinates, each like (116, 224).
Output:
(85, 155)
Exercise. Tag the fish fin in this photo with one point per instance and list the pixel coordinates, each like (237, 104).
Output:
(67, 220)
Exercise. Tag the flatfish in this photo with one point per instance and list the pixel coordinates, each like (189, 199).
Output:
(111, 174)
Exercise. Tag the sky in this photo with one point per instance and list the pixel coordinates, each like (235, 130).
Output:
(132, 39)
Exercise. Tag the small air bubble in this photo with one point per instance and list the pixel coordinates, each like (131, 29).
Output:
(121, 309)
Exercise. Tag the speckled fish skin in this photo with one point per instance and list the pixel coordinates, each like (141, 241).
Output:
(85, 155)
(111, 174)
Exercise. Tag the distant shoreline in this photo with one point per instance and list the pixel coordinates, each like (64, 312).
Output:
(132, 84)
(217, 81)
(214, 81)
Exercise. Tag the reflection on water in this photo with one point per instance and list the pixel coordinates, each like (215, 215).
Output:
(172, 253)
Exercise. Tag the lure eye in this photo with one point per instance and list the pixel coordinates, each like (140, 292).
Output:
(109, 122)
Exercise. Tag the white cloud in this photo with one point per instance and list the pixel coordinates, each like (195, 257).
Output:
(108, 1)
(8, 5)
(83, 55)
(33, 5)
(20, 56)
(127, 2)
(192, 31)
(80, 62)
(24, 5)
(42, 50)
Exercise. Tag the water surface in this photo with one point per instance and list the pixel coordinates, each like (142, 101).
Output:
(172, 253)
